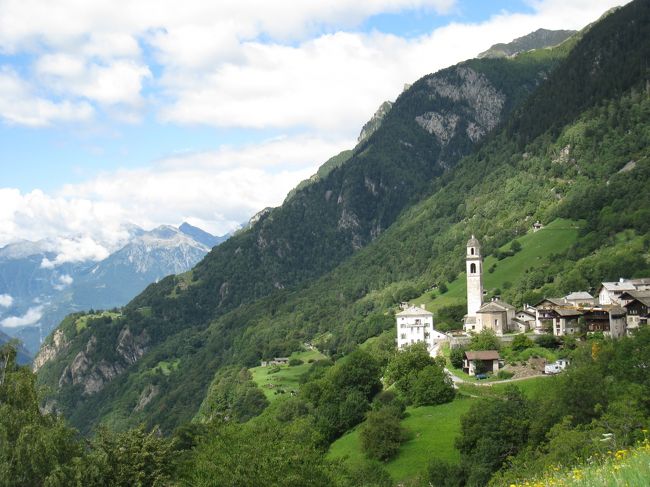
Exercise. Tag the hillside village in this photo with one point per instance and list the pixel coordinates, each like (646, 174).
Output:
(619, 308)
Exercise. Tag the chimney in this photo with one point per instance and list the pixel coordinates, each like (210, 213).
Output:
(621, 279)
(423, 306)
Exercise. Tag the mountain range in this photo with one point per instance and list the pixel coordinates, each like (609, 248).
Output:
(42, 294)
(485, 147)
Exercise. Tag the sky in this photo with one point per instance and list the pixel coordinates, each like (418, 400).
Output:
(154, 112)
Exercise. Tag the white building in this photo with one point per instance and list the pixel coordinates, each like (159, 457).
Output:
(414, 325)
(474, 271)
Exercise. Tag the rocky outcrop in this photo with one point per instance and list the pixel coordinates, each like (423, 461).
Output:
(131, 347)
(93, 375)
(477, 106)
(50, 351)
(371, 126)
(148, 393)
(442, 126)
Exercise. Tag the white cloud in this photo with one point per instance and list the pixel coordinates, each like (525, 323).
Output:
(63, 281)
(31, 317)
(79, 249)
(221, 188)
(6, 300)
(20, 105)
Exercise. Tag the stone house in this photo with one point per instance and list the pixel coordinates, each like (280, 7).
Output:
(497, 316)
(611, 292)
(481, 361)
(638, 304)
(581, 298)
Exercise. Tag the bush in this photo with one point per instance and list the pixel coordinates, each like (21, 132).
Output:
(521, 342)
(443, 288)
(485, 340)
(504, 374)
(295, 362)
(432, 386)
(456, 357)
(381, 435)
(547, 341)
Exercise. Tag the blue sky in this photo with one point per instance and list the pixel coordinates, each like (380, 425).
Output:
(154, 112)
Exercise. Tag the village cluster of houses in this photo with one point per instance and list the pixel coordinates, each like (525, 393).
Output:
(618, 308)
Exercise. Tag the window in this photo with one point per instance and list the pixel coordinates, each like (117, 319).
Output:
(471, 250)
(472, 268)
(403, 336)
(418, 322)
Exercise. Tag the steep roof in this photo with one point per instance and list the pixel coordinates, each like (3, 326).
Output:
(645, 300)
(619, 286)
(482, 355)
(578, 295)
(414, 311)
(553, 301)
(568, 311)
(495, 307)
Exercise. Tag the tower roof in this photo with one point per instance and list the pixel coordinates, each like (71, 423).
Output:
(473, 242)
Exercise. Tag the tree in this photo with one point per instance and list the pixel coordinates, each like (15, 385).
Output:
(410, 359)
(521, 342)
(485, 340)
(130, 458)
(457, 356)
(432, 385)
(547, 341)
(492, 430)
(381, 435)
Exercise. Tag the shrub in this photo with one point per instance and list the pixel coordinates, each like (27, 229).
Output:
(547, 341)
(456, 357)
(521, 342)
(504, 374)
(381, 435)
(295, 362)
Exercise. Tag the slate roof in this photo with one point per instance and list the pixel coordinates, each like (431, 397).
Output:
(641, 296)
(482, 355)
(414, 311)
(495, 307)
(578, 295)
(619, 286)
(554, 301)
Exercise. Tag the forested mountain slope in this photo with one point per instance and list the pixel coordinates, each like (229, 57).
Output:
(575, 164)
(430, 127)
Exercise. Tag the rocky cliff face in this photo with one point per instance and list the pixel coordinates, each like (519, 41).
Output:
(94, 372)
(373, 124)
(474, 101)
(50, 351)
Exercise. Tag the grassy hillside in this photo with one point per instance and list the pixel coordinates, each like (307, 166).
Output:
(277, 381)
(431, 431)
(536, 249)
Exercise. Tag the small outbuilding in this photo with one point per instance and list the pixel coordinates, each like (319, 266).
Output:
(481, 361)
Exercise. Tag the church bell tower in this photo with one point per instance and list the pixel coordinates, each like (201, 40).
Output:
(474, 268)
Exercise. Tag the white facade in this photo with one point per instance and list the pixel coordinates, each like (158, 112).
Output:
(474, 270)
(415, 325)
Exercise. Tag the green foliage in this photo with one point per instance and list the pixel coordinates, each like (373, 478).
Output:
(521, 342)
(406, 361)
(547, 341)
(491, 431)
(381, 434)
(451, 317)
(233, 394)
(457, 356)
(430, 386)
(485, 340)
